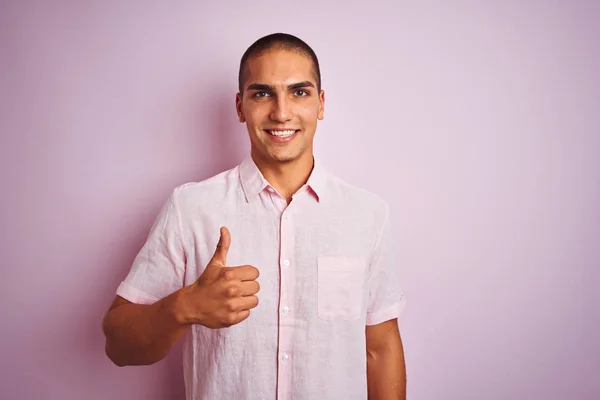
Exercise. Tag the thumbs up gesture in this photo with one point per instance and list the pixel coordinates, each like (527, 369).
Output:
(222, 296)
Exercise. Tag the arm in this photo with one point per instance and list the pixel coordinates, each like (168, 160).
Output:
(386, 372)
(139, 334)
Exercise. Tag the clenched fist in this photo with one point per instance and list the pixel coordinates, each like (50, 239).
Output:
(222, 296)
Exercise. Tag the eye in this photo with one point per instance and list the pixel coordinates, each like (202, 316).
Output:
(260, 94)
(301, 93)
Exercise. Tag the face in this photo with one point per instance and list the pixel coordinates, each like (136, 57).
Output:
(280, 106)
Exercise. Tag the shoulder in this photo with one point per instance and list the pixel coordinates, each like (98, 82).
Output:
(209, 191)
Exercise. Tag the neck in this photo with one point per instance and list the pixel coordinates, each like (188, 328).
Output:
(286, 177)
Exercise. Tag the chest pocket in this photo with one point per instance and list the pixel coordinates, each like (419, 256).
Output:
(340, 287)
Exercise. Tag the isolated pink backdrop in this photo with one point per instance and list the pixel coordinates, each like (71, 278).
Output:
(479, 122)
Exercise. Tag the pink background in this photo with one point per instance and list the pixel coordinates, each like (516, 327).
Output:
(478, 122)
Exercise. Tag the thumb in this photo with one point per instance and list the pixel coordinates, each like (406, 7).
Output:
(220, 256)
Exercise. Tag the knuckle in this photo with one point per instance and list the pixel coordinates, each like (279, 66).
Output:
(232, 291)
(230, 319)
(229, 275)
(231, 307)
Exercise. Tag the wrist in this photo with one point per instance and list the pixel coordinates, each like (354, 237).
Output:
(177, 307)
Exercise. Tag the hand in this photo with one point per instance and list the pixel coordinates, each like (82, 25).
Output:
(222, 296)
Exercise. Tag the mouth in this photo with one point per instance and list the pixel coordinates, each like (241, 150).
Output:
(281, 133)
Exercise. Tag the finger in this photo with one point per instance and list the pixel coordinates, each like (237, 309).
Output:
(245, 272)
(235, 318)
(248, 302)
(249, 288)
(220, 256)
(242, 303)
(242, 315)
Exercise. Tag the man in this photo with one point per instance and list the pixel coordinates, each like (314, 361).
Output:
(278, 227)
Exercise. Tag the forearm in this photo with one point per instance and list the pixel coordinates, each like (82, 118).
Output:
(386, 373)
(139, 334)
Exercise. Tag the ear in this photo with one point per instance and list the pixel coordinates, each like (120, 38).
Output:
(320, 115)
(239, 109)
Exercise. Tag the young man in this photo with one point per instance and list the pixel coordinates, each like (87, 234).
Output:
(278, 227)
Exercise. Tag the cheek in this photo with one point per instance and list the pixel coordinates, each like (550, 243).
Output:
(256, 116)
(308, 113)
(251, 120)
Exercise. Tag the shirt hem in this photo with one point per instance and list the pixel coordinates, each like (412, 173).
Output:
(134, 295)
(386, 314)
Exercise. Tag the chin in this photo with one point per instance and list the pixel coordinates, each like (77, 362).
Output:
(283, 157)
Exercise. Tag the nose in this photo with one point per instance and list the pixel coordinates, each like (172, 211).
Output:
(281, 111)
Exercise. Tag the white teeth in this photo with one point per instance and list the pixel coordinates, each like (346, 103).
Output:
(282, 133)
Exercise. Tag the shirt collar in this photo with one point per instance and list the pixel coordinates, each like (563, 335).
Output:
(253, 181)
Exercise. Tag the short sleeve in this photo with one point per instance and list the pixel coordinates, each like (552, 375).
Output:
(386, 299)
(158, 269)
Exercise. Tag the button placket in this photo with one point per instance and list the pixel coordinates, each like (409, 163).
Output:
(286, 296)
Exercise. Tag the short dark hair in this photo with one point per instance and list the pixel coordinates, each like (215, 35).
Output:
(278, 41)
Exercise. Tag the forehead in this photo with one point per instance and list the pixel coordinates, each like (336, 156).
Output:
(280, 66)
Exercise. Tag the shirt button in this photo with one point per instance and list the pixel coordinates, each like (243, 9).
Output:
(285, 357)
(286, 263)
(286, 309)
(270, 189)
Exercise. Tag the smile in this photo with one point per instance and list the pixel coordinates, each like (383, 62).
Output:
(281, 133)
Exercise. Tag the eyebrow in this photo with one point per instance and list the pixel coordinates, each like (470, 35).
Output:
(264, 87)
